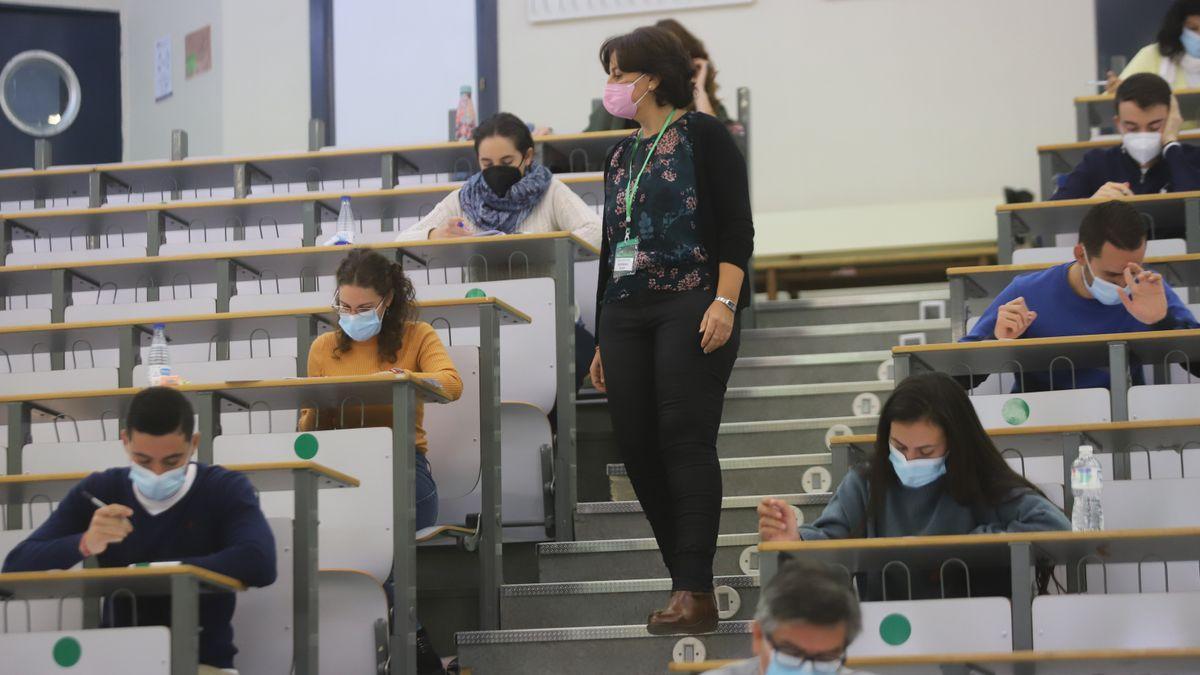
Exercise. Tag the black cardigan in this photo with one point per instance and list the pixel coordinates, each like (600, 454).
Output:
(722, 208)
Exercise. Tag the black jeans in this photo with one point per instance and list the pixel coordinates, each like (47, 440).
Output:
(665, 396)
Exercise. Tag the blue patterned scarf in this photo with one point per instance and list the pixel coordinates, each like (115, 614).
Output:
(487, 211)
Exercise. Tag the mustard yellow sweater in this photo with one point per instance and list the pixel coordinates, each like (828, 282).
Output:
(421, 354)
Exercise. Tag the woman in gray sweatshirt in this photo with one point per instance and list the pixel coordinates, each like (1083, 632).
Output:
(934, 471)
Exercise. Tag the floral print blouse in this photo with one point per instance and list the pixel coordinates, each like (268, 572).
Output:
(671, 256)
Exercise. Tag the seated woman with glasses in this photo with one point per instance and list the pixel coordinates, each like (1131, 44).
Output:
(378, 332)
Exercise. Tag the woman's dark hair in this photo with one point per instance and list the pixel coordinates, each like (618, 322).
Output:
(977, 475)
(507, 125)
(654, 51)
(696, 50)
(1169, 43)
(367, 269)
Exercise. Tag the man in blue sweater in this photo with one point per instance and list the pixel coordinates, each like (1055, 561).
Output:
(1150, 158)
(161, 508)
(1105, 290)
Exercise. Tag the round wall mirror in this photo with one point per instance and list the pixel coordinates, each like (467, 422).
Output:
(39, 93)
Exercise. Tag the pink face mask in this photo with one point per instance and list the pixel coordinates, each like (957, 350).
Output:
(618, 99)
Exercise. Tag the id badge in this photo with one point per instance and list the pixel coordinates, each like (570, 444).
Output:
(625, 258)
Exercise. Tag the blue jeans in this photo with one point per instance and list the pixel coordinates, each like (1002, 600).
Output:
(426, 494)
(427, 512)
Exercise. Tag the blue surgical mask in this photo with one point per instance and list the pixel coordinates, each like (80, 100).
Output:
(783, 664)
(362, 326)
(1191, 42)
(915, 473)
(1105, 292)
(157, 487)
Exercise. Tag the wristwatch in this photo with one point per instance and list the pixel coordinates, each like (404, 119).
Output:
(727, 302)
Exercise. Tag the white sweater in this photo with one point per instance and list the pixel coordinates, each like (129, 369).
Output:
(559, 210)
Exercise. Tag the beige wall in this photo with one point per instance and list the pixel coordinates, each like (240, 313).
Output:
(875, 122)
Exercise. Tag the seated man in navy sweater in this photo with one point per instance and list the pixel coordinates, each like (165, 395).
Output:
(1105, 290)
(1150, 158)
(161, 508)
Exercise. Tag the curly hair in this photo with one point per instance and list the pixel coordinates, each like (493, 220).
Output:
(368, 269)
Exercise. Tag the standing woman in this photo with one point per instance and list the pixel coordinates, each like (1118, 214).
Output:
(678, 236)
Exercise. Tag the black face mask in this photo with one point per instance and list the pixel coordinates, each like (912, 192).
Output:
(501, 178)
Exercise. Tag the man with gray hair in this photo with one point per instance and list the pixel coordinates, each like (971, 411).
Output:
(806, 618)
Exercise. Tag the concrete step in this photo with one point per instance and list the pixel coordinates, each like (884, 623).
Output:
(597, 448)
(787, 437)
(612, 603)
(759, 371)
(805, 401)
(906, 306)
(616, 559)
(845, 337)
(743, 476)
(625, 519)
(601, 650)
(850, 291)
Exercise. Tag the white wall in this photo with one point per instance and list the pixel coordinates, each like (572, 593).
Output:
(875, 122)
(398, 67)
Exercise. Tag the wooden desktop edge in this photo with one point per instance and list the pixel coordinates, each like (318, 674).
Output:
(299, 382)
(286, 156)
(859, 439)
(314, 467)
(1103, 143)
(894, 543)
(208, 576)
(1029, 343)
(1090, 201)
(303, 250)
(293, 198)
(266, 314)
(1035, 267)
(1020, 656)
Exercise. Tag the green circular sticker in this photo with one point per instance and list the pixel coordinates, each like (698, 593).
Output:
(895, 629)
(1015, 411)
(476, 293)
(306, 446)
(67, 652)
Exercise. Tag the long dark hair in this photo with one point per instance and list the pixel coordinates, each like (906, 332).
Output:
(367, 269)
(695, 49)
(508, 126)
(977, 475)
(1169, 43)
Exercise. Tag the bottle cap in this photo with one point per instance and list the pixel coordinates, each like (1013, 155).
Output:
(465, 89)
(345, 198)
(1085, 451)
(160, 326)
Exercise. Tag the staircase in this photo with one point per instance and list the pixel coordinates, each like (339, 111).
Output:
(818, 365)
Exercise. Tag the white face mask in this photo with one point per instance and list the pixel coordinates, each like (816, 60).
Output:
(1143, 147)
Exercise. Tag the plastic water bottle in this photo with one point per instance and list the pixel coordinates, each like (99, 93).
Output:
(1086, 483)
(345, 226)
(464, 116)
(158, 368)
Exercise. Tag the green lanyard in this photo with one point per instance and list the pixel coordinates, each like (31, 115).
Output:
(632, 186)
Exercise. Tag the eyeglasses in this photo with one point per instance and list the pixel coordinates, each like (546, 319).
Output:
(794, 658)
(346, 310)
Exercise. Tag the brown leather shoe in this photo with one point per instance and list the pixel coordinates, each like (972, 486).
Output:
(686, 613)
